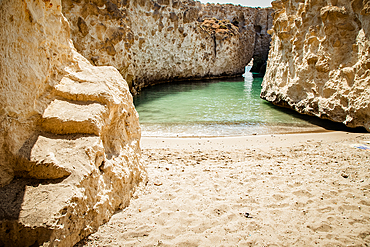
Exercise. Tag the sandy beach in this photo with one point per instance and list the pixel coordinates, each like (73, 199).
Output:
(274, 190)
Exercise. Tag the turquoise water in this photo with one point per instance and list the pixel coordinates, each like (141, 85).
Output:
(213, 108)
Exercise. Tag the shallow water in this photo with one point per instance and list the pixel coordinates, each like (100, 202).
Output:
(228, 107)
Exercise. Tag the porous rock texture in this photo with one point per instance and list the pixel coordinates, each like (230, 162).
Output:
(162, 40)
(319, 61)
(69, 140)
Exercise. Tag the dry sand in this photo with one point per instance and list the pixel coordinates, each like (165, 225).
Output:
(276, 190)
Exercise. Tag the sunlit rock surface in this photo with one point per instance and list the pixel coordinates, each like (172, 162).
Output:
(164, 40)
(319, 62)
(69, 140)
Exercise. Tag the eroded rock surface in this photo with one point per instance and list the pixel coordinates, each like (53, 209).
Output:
(319, 62)
(163, 40)
(69, 141)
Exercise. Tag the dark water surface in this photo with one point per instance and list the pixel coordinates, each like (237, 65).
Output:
(228, 107)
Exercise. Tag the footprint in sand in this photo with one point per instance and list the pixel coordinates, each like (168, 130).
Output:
(278, 197)
(325, 210)
(320, 227)
(302, 193)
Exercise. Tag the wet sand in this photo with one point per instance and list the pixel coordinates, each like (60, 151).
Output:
(273, 190)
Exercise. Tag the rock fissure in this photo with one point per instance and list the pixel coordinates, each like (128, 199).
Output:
(214, 46)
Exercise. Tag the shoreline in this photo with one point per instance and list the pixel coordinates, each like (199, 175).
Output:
(234, 136)
(240, 142)
(256, 132)
(213, 130)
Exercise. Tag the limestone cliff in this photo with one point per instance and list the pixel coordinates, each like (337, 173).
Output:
(319, 62)
(69, 140)
(162, 40)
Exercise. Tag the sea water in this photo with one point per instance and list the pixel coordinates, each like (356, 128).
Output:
(227, 107)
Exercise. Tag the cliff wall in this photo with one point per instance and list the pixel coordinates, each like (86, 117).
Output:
(319, 62)
(69, 140)
(163, 40)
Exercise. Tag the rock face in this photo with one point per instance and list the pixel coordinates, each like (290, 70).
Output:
(163, 40)
(319, 62)
(69, 140)
(263, 23)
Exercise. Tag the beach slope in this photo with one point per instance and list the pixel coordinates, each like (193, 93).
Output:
(275, 190)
